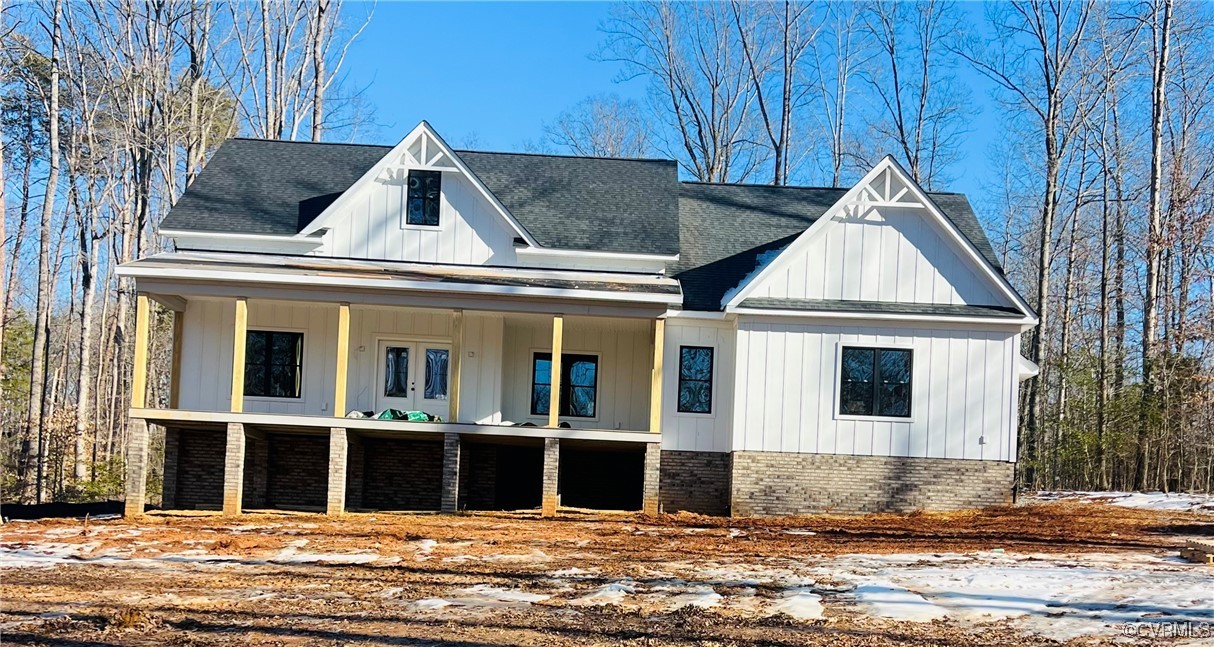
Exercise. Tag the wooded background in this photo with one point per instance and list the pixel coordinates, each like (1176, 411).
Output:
(1102, 217)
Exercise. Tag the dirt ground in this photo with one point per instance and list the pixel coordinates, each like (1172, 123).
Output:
(497, 579)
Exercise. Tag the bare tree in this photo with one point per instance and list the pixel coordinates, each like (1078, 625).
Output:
(45, 244)
(1053, 35)
(602, 126)
(1161, 34)
(691, 54)
(923, 105)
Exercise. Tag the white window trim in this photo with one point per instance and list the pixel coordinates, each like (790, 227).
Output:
(303, 365)
(712, 411)
(916, 408)
(598, 384)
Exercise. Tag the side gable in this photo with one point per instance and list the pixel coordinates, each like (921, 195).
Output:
(885, 240)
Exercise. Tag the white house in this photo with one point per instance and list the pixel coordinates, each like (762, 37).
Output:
(719, 348)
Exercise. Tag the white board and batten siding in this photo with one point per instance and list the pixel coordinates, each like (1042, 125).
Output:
(206, 370)
(625, 353)
(206, 356)
(698, 431)
(371, 225)
(963, 400)
(891, 254)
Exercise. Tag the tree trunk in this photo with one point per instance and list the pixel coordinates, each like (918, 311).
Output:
(1150, 314)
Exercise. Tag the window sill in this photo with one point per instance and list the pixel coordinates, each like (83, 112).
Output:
(857, 418)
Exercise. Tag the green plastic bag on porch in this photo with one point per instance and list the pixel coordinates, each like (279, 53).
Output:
(411, 416)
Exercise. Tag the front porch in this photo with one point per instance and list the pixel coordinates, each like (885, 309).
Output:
(234, 461)
(290, 381)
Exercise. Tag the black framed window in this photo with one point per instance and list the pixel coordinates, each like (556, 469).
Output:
(875, 382)
(273, 364)
(695, 379)
(578, 384)
(422, 207)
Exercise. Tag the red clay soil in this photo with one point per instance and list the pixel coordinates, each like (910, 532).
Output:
(268, 601)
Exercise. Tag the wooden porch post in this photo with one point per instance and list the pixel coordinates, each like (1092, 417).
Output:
(554, 383)
(457, 354)
(240, 330)
(343, 360)
(655, 380)
(139, 380)
(175, 369)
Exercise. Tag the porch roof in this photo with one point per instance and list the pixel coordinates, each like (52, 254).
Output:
(318, 271)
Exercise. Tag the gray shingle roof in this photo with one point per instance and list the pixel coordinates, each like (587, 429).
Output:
(826, 305)
(587, 203)
(723, 228)
(254, 186)
(259, 186)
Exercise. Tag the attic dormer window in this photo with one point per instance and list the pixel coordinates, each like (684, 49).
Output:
(424, 190)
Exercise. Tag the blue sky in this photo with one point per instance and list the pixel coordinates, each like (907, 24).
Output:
(491, 74)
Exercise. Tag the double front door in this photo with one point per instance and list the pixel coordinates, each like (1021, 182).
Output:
(413, 376)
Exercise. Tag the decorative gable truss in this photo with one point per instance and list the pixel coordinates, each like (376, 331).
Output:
(886, 241)
(421, 149)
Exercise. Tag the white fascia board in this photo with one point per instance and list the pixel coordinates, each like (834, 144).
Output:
(397, 151)
(225, 240)
(736, 295)
(698, 314)
(577, 253)
(883, 316)
(212, 275)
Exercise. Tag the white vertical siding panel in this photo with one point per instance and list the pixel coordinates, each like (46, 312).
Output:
(889, 254)
(470, 231)
(961, 392)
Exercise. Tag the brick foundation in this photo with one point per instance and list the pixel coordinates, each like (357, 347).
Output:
(478, 476)
(774, 483)
(549, 495)
(136, 467)
(198, 473)
(168, 488)
(450, 494)
(299, 469)
(402, 474)
(256, 471)
(694, 482)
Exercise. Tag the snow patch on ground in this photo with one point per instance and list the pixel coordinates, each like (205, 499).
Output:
(1172, 502)
(481, 595)
(801, 603)
(1061, 597)
(609, 593)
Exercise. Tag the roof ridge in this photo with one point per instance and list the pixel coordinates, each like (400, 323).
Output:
(758, 185)
(560, 156)
(304, 141)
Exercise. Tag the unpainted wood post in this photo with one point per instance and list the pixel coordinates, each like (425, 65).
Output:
(343, 360)
(240, 330)
(655, 378)
(139, 377)
(554, 381)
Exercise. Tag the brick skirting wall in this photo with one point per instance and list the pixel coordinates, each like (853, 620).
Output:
(694, 482)
(299, 471)
(402, 474)
(775, 483)
(197, 476)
